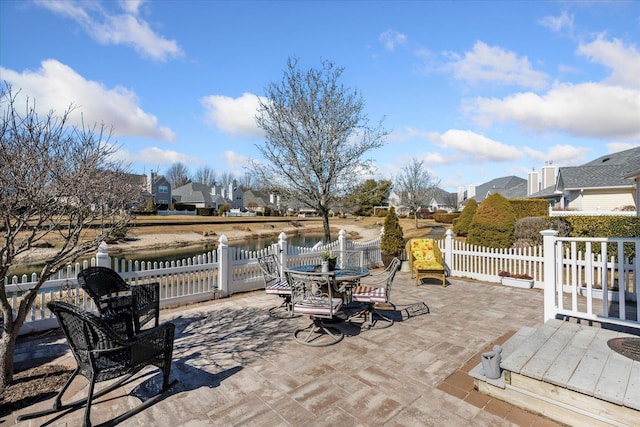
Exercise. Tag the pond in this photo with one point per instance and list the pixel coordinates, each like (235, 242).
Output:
(175, 254)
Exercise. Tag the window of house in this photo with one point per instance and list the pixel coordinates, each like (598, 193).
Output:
(163, 189)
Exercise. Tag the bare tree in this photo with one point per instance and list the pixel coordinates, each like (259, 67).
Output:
(317, 134)
(56, 182)
(226, 179)
(178, 175)
(205, 175)
(415, 186)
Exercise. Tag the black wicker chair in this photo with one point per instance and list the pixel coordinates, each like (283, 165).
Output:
(129, 308)
(103, 354)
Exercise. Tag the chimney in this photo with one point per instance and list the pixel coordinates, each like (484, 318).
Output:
(533, 182)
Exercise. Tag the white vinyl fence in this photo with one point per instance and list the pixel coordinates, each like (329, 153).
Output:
(566, 268)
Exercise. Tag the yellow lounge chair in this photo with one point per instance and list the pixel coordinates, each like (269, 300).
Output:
(425, 260)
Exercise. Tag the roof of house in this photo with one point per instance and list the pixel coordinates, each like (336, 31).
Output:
(611, 170)
(511, 187)
(443, 197)
(257, 198)
(192, 193)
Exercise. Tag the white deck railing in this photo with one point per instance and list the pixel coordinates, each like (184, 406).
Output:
(559, 266)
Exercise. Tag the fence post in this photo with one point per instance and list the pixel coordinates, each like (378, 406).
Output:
(549, 256)
(342, 240)
(102, 257)
(224, 266)
(282, 256)
(448, 251)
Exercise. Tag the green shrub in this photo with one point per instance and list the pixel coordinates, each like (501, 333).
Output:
(461, 225)
(392, 241)
(493, 223)
(523, 208)
(445, 218)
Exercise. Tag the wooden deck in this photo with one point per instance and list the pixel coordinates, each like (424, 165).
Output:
(567, 372)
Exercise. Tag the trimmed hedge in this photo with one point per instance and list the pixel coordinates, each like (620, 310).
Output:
(461, 225)
(523, 208)
(445, 218)
(493, 223)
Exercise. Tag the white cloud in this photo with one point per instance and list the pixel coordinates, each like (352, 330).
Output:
(55, 86)
(565, 155)
(158, 156)
(495, 65)
(586, 110)
(233, 116)
(558, 23)
(476, 147)
(390, 39)
(624, 61)
(235, 162)
(615, 147)
(116, 29)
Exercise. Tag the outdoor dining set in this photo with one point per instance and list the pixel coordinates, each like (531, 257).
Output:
(124, 334)
(345, 294)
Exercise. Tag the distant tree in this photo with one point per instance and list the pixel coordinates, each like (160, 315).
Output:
(178, 175)
(316, 136)
(415, 186)
(368, 195)
(226, 179)
(204, 175)
(392, 240)
(55, 180)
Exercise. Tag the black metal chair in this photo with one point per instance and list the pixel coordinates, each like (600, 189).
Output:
(128, 307)
(312, 294)
(377, 290)
(276, 284)
(104, 354)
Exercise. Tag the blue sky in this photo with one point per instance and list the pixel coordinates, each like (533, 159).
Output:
(476, 89)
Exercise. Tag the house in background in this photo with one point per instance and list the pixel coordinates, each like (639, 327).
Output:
(159, 190)
(259, 202)
(510, 187)
(192, 196)
(606, 184)
(441, 200)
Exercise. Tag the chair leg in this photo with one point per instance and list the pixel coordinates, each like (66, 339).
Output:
(373, 324)
(318, 334)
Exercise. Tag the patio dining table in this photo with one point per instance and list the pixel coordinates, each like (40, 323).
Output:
(346, 278)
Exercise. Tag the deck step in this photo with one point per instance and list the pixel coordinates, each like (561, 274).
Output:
(566, 371)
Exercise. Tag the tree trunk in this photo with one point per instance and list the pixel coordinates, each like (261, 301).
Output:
(415, 216)
(8, 338)
(325, 227)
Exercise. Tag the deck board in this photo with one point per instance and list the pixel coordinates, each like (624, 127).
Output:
(613, 382)
(587, 373)
(545, 357)
(632, 398)
(566, 363)
(515, 361)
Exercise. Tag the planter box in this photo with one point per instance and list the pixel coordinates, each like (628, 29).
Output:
(517, 283)
(597, 294)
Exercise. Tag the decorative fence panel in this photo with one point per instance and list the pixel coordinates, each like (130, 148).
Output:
(560, 266)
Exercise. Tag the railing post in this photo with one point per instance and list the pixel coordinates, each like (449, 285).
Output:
(282, 255)
(102, 257)
(448, 251)
(549, 254)
(224, 266)
(342, 240)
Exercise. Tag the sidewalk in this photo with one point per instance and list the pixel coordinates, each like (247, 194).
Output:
(237, 366)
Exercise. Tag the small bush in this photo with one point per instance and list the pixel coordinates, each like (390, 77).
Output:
(529, 229)
(462, 223)
(493, 223)
(445, 218)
